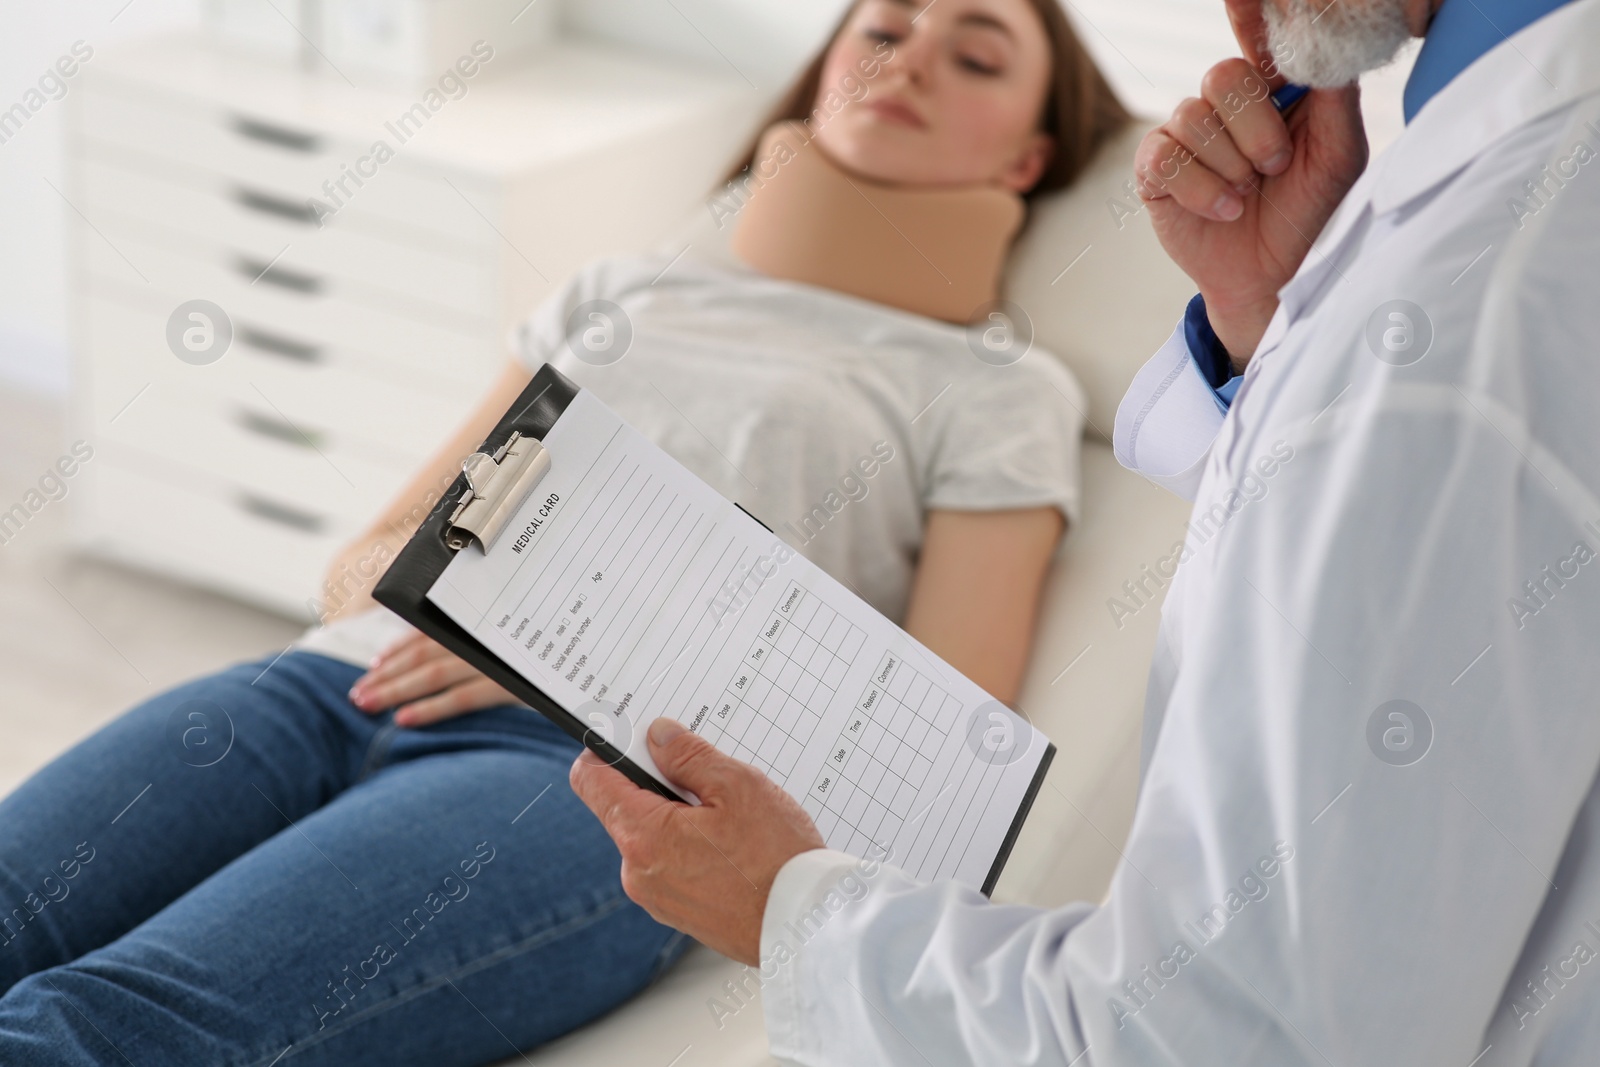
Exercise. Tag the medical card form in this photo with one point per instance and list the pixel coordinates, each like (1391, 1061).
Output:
(626, 589)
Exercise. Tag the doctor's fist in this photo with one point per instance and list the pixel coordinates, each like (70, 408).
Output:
(1237, 192)
(704, 869)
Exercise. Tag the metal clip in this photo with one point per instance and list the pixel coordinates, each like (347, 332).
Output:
(497, 486)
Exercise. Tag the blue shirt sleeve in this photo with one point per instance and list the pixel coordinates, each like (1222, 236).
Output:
(1208, 353)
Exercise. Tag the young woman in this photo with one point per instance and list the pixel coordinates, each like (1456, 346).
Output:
(303, 861)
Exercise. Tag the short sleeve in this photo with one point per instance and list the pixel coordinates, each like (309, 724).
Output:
(541, 337)
(1010, 438)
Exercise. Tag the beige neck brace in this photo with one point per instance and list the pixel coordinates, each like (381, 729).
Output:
(933, 252)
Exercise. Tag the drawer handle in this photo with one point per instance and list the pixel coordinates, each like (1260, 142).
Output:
(278, 429)
(267, 204)
(281, 514)
(275, 135)
(257, 270)
(278, 345)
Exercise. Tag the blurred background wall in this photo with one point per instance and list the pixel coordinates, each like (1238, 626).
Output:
(33, 265)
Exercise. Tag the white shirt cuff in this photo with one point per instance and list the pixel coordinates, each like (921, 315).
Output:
(1168, 420)
(788, 998)
(796, 889)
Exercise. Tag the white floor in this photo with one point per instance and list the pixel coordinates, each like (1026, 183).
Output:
(81, 640)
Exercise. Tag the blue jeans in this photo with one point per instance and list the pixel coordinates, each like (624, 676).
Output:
(247, 869)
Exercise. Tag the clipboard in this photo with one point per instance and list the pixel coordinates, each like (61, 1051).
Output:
(494, 484)
(403, 589)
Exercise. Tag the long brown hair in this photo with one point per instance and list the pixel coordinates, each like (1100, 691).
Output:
(1080, 111)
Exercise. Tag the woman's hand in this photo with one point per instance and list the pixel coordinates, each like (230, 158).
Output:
(1237, 193)
(429, 681)
(705, 869)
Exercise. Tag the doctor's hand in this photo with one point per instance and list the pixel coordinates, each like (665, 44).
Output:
(428, 681)
(1237, 192)
(705, 870)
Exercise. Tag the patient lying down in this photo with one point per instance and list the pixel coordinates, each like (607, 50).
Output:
(335, 862)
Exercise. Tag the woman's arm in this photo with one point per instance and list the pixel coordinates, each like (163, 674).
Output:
(359, 565)
(420, 677)
(975, 598)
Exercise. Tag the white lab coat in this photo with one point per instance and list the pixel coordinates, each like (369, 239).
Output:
(1298, 888)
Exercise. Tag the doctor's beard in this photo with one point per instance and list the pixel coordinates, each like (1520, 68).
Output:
(1329, 43)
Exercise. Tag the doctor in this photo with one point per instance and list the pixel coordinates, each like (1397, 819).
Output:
(1369, 824)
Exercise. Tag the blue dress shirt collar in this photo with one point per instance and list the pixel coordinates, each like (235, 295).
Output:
(1461, 31)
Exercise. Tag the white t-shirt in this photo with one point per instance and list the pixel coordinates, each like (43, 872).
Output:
(835, 421)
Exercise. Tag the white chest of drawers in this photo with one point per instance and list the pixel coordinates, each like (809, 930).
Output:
(361, 342)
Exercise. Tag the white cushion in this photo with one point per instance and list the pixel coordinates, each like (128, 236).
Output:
(665, 1020)
(1090, 273)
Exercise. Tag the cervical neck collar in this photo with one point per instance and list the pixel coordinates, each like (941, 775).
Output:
(933, 252)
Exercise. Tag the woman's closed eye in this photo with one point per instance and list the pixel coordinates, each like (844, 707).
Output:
(980, 65)
(973, 60)
(982, 49)
(884, 34)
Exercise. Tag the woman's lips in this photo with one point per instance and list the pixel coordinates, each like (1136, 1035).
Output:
(896, 111)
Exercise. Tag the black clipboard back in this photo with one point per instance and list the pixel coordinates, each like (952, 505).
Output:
(403, 588)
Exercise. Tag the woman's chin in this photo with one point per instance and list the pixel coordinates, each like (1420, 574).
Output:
(886, 159)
